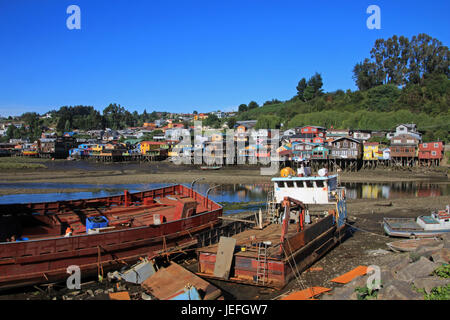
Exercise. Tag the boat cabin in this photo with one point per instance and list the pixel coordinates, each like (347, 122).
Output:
(310, 190)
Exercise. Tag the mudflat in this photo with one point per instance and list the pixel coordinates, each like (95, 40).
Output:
(167, 172)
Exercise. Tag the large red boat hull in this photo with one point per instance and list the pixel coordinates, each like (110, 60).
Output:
(46, 260)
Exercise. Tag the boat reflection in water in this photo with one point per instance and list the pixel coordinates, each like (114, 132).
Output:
(226, 193)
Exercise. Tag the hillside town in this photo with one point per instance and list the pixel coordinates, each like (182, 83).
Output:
(185, 134)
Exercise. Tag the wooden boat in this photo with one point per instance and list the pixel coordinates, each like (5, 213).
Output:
(410, 245)
(433, 225)
(210, 167)
(107, 232)
(272, 255)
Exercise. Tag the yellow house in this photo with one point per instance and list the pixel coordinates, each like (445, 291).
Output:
(98, 148)
(147, 146)
(200, 116)
(371, 151)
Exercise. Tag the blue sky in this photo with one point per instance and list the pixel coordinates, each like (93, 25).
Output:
(180, 56)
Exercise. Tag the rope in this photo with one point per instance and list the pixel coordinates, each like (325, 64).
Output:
(297, 277)
(373, 233)
(296, 268)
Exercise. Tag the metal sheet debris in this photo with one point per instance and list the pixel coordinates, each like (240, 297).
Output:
(139, 272)
(349, 276)
(124, 295)
(168, 282)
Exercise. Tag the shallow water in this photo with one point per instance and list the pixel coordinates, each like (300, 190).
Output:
(227, 193)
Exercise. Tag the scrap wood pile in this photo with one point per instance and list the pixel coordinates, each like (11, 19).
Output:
(172, 282)
(145, 281)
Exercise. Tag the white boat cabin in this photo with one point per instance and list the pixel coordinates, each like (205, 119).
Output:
(309, 190)
(437, 221)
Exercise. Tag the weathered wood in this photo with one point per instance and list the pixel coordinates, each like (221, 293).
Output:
(224, 258)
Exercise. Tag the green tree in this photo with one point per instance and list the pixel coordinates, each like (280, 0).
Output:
(301, 89)
(67, 126)
(252, 105)
(231, 122)
(242, 108)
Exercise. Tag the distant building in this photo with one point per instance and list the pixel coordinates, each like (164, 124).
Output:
(404, 146)
(362, 135)
(371, 151)
(431, 150)
(409, 128)
(346, 148)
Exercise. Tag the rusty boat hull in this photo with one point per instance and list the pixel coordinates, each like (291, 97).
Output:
(162, 220)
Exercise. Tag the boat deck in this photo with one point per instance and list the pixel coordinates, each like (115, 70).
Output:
(153, 211)
(251, 237)
(271, 267)
(403, 224)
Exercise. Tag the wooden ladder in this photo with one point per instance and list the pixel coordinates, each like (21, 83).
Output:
(271, 207)
(261, 269)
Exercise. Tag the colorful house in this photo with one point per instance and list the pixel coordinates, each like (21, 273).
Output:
(371, 151)
(302, 150)
(151, 146)
(320, 153)
(431, 150)
(346, 148)
(404, 146)
(385, 154)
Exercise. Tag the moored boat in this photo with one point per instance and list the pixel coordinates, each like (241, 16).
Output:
(289, 242)
(410, 245)
(433, 225)
(210, 167)
(98, 234)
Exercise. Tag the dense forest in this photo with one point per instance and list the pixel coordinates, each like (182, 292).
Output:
(402, 81)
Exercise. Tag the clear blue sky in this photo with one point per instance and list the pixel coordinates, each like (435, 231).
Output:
(180, 56)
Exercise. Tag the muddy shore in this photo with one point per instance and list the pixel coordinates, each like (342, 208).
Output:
(166, 172)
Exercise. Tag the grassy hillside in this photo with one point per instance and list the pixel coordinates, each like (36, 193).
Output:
(382, 107)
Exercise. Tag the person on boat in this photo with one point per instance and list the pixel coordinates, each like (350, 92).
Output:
(69, 232)
(13, 238)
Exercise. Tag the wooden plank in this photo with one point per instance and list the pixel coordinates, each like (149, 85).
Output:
(224, 257)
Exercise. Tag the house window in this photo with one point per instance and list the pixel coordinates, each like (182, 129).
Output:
(309, 184)
(319, 184)
(433, 153)
(409, 141)
(290, 184)
(425, 145)
(436, 145)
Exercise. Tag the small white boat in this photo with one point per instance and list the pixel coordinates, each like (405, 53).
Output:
(424, 226)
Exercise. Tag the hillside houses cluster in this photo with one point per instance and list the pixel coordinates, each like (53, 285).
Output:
(405, 145)
(162, 139)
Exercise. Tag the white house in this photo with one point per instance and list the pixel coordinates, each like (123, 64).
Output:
(408, 128)
(176, 133)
